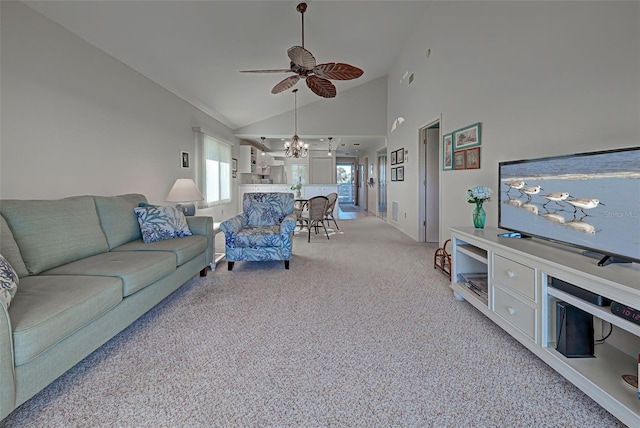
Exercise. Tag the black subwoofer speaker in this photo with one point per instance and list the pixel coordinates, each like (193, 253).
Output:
(574, 331)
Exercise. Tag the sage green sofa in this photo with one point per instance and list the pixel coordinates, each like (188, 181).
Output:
(84, 275)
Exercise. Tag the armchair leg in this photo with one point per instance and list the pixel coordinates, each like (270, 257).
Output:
(286, 264)
(230, 265)
(203, 272)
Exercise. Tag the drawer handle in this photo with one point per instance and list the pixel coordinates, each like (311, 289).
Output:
(511, 310)
(511, 274)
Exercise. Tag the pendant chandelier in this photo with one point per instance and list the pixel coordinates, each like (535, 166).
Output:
(296, 148)
(329, 153)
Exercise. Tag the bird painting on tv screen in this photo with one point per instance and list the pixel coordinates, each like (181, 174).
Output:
(591, 200)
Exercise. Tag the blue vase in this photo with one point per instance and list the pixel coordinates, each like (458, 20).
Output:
(479, 216)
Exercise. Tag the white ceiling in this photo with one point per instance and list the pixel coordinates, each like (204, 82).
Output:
(195, 49)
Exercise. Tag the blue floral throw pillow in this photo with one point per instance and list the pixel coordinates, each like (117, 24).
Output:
(160, 223)
(8, 282)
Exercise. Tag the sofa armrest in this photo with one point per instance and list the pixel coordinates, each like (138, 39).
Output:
(288, 224)
(7, 378)
(203, 225)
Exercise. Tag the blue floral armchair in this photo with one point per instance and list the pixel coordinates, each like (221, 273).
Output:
(263, 231)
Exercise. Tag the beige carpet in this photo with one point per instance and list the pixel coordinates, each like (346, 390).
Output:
(360, 332)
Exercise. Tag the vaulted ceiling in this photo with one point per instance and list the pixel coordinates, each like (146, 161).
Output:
(196, 49)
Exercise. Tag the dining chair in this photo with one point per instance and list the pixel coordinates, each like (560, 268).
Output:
(299, 207)
(315, 215)
(332, 198)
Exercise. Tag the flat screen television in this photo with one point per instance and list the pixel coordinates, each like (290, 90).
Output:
(586, 200)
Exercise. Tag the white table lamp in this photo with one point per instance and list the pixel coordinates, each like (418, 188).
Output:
(185, 190)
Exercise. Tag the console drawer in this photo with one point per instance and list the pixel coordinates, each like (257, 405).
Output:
(515, 312)
(515, 275)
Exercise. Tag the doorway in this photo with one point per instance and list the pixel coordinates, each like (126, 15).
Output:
(382, 184)
(361, 186)
(430, 182)
(345, 179)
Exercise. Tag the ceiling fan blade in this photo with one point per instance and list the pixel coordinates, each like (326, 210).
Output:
(337, 71)
(285, 84)
(321, 86)
(301, 57)
(266, 71)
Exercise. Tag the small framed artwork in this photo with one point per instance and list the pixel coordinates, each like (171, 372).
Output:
(467, 137)
(234, 164)
(400, 156)
(394, 174)
(393, 158)
(472, 158)
(184, 160)
(400, 174)
(458, 160)
(447, 152)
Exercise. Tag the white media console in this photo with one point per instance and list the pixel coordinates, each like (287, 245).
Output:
(521, 300)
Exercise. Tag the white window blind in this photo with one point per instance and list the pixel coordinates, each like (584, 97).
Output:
(214, 175)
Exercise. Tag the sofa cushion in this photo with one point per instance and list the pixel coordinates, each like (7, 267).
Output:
(9, 249)
(51, 233)
(160, 223)
(259, 236)
(184, 249)
(46, 309)
(117, 218)
(8, 282)
(136, 269)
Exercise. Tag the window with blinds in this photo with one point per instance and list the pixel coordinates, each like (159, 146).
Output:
(214, 174)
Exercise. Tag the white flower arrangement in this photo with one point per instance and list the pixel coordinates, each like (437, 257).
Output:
(479, 194)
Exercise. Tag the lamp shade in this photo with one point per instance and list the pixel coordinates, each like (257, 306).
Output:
(184, 190)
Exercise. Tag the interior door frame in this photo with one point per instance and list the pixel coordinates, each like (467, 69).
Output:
(381, 191)
(426, 156)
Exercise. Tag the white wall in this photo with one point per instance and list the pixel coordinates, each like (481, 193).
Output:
(544, 78)
(366, 106)
(77, 121)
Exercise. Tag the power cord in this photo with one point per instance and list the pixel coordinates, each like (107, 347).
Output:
(601, 341)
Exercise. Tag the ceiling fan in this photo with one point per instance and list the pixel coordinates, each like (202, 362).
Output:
(303, 64)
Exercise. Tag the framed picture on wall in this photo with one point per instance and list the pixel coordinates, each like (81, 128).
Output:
(472, 158)
(459, 160)
(400, 156)
(234, 164)
(184, 160)
(467, 137)
(400, 174)
(393, 158)
(394, 174)
(447, 152)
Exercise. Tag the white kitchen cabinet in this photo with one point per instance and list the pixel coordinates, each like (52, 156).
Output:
(247, 159)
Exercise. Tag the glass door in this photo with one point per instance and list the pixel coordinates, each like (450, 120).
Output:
(346, 183)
